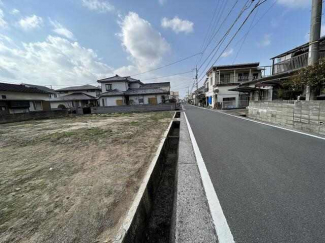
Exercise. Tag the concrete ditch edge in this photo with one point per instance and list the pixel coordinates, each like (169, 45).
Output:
(192, 220)
(134, 223)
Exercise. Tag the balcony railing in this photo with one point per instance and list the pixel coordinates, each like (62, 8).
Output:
(293, 63)
(243, 78)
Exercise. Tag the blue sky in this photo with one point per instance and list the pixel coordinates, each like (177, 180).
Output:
(73, 42)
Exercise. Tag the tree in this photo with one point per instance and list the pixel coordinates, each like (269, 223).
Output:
(313, 76)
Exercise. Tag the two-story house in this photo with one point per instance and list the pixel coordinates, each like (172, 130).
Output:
(284, 66)
(76, 97)
(222, 78)
(119, 90)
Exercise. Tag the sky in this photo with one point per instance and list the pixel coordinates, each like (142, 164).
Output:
(61, 43)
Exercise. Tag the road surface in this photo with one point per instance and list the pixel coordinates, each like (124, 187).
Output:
(270, 182)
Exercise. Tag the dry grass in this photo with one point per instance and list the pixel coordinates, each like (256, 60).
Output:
(73, 179)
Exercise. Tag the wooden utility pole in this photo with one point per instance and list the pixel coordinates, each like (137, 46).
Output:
(315, 31)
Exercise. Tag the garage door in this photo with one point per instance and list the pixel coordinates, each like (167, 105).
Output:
(152, 101)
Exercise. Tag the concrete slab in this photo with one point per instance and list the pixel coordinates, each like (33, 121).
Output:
(193, 221)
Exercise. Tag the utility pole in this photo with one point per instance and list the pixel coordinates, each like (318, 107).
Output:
(196, 79)
(315, 31)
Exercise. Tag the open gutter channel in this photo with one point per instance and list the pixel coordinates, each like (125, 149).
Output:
(160, 222)
(153, 219)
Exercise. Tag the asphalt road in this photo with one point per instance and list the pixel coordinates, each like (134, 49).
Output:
(270, 182)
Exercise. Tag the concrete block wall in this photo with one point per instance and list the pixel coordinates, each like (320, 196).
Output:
(308, 116)
(132, 108)
(36, 115)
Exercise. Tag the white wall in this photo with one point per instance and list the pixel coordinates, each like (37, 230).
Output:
(110, 101)
(55, 104)
(134, 85)
(122, 86)
(23, 96)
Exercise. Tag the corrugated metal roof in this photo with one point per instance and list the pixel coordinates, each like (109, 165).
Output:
(234, 66)
(77, 88)
(298, 48)
(21, 88)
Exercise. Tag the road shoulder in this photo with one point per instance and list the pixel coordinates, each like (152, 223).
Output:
(193, 221)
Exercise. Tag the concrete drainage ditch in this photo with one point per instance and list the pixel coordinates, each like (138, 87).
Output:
(150, 218)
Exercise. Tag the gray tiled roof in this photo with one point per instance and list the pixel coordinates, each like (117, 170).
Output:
(21, 88)
(44, 88)
(74, 96)
(156, 85)
(118, 78)
(143, 91)
(77, 88)
(114, 92)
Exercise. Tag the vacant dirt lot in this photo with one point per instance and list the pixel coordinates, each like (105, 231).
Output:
(73, 179)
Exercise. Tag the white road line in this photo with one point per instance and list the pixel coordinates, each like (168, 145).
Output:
(219, 219)
(270, 125)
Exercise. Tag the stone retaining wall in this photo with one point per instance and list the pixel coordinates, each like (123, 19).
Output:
(308, 116)
(132, 108)
(35, 115)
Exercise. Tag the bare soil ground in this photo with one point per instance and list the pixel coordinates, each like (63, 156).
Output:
(73, 179)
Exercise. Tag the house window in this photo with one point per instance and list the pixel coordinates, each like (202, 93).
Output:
(255, 76)
(243, 77)
(225, 78)
(141, 101)
(103, 102)
(3, 97)
(108, 87)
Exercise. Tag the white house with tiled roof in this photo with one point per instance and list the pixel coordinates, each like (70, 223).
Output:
(118, 90)
(76, 97)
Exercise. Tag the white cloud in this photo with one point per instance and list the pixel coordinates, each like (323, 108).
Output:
(55, 61)
(3, 23)
(15, 11)
(177, 25)
(266, 41)
(61, 30)
(294, 3)
(31, 22)
(145, 45)
(100, 6)
(228, 53)
(162, 2)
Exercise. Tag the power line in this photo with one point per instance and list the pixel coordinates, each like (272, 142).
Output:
(167, 65)
(257, 22)
(213, 35)
(210, 25)
(168, 76)
(225, 35)
(209, 42)
(256, 5)
(242, 43)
